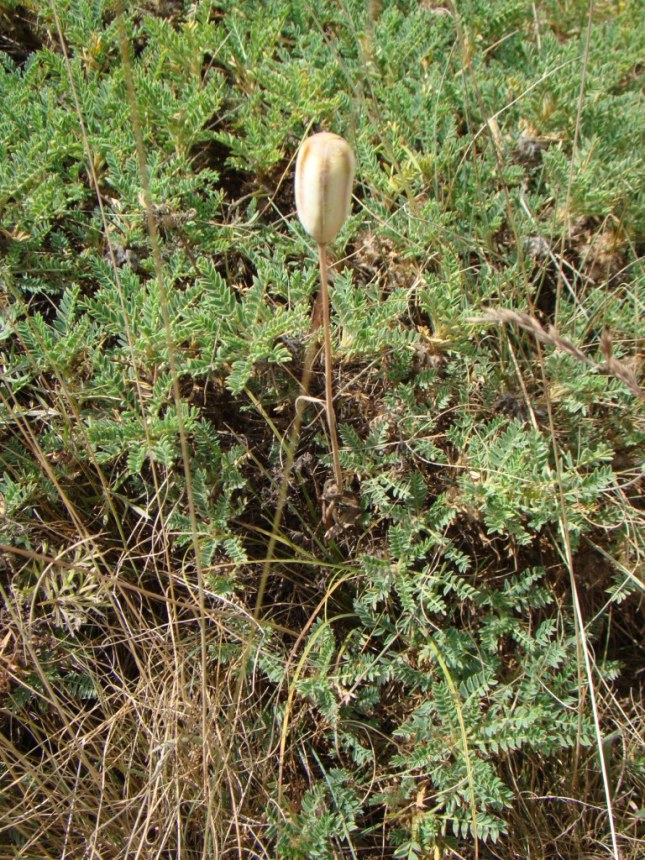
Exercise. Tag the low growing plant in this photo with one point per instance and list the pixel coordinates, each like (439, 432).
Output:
(193, 664)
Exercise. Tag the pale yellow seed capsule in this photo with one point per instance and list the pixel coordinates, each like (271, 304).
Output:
(324, 180)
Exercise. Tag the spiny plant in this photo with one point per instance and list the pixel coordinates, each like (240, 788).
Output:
(186, 673)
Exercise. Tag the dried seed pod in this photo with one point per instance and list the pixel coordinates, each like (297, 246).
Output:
(324, 179)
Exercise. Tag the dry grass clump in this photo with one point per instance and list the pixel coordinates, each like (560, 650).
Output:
(104, 752)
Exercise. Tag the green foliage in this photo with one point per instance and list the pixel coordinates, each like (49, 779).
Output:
(327, 818)
(413, 683)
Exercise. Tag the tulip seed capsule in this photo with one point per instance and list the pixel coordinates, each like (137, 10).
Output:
(324, 179)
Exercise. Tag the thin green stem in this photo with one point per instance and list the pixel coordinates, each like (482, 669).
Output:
(155, 247)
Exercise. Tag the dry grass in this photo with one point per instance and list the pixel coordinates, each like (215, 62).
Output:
(176, 727)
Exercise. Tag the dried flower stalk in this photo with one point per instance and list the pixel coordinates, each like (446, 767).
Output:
(324, 178)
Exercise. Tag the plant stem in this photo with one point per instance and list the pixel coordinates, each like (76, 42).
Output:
(329, 393)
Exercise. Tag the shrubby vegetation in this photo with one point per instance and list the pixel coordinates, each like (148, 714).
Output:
(459, 673)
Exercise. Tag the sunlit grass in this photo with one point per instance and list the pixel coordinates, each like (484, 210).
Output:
(193, 663)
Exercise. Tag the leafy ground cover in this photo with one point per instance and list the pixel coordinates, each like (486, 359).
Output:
(457, 671)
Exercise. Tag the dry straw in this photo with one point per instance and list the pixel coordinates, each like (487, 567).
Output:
(612, 366)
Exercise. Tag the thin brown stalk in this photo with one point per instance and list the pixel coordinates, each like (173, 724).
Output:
(550, 336)
(329, 391)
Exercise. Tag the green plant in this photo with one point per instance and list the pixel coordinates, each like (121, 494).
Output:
(191, 663)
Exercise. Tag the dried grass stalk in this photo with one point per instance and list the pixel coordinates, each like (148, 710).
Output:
(612, 366)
